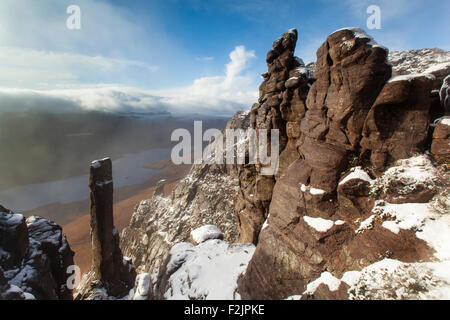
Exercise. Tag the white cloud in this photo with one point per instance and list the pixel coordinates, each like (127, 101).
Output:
(224, 94)
(218, 95)
(111, 34)
(42, 69)
(240, 58)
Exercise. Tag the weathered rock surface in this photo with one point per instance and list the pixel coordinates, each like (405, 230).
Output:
(281, 106)
(205, 196)
(297, 247)
(109, 268)
(397, 125)
(34, 258)
(337, 207)
(318, 224)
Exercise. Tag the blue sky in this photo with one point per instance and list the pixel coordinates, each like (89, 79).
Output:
(205, 55)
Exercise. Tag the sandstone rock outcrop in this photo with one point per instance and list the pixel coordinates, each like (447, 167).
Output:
(109, 268)
(318, 215)
(281, 106)
(440, 146)
(34, 258)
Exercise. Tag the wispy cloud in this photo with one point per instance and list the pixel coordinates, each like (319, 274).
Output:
(43, 69)
(204, 58)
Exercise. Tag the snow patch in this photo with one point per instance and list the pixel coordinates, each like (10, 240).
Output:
(313, 191)
(142, 287)
(320, 224)
(325, 278)
(208, 271)
(406, 216)
(410, 77)
(446, 121)
(206, 232)
(357, 173)
(366, 224)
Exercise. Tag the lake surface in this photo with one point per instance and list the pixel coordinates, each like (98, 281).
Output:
(127, 170)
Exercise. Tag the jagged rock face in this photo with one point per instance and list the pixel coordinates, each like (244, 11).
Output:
(205, 196)
(281, 106)
(109, 269)
(397, 125)
(350, 73)
(295, 248)
(34, 258)
(321, 216)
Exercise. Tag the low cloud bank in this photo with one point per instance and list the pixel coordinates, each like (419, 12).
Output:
(218, 95)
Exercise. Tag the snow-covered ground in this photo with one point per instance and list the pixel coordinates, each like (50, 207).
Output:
(208, 271)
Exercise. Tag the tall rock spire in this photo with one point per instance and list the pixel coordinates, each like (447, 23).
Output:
(281, 106)
(109, 269)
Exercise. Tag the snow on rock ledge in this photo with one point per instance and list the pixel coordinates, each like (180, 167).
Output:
(357, 173)
(204, 233)
(320, 224)
(360, 34)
